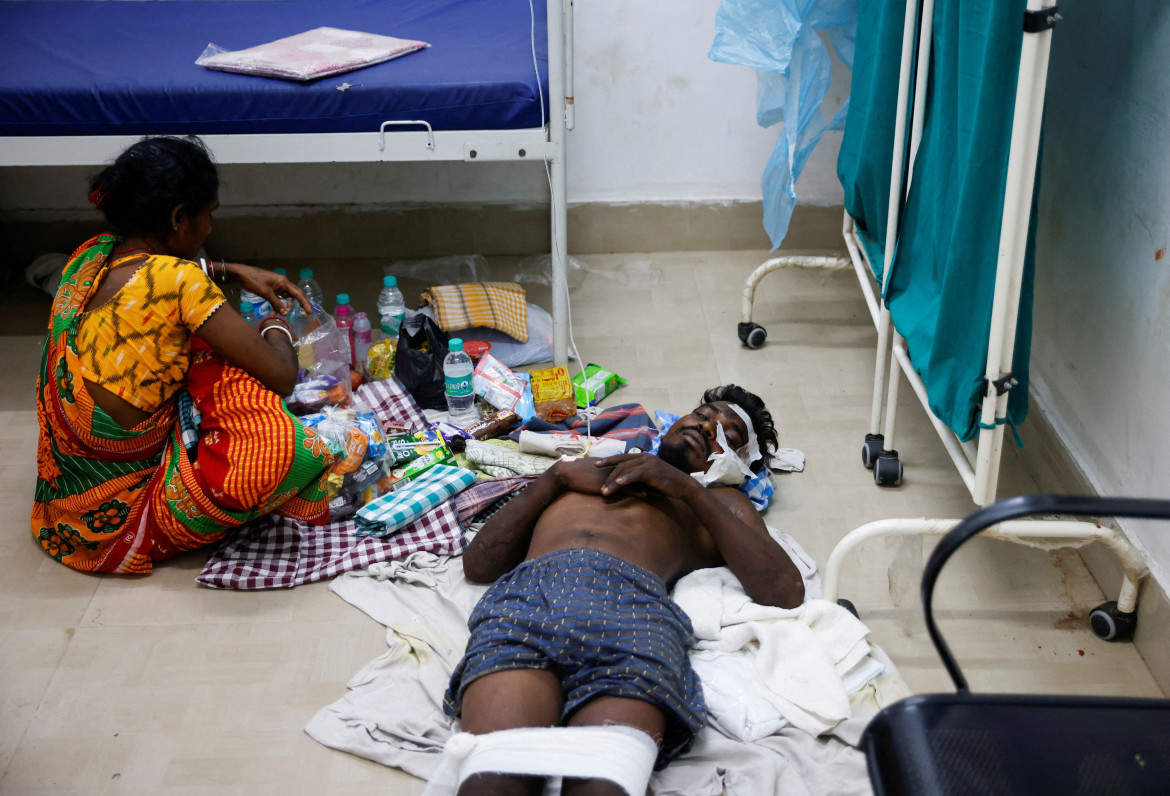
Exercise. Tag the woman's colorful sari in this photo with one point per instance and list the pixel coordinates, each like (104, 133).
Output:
(115, 500)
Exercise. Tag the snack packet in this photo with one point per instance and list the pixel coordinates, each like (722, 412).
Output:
(593, 385)
(552, 394)
(380, 359)
(497, 384)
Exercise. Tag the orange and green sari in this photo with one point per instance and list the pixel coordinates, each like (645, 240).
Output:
(222, 452)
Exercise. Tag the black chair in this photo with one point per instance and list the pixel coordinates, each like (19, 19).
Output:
(966, 743)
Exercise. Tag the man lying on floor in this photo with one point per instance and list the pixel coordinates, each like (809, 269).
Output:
(579, 630)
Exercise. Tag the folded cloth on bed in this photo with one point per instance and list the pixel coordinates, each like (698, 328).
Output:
(384, 515)
(314, 54)
(496, 305)
(391, 712)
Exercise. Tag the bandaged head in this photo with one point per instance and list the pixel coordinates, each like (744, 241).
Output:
(731, 467)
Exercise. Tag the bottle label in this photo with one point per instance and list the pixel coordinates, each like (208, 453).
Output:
(458, 386)
(391, 324)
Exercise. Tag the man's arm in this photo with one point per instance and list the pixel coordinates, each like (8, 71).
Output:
(766, 572)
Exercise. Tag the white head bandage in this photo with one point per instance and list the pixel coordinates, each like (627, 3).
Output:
(730, 467)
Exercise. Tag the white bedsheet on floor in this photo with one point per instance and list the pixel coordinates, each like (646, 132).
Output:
(392, 712)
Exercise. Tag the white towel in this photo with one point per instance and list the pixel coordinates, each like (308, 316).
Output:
(798, 656)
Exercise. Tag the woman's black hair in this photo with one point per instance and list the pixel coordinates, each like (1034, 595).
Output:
(140, 189)
(760, 416)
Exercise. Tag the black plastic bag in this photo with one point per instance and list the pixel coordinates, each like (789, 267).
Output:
(418, 362)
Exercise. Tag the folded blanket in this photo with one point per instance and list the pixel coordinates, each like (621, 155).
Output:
(390, 512)
(496, 305)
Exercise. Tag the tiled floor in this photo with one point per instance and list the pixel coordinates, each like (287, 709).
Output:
(154, 685)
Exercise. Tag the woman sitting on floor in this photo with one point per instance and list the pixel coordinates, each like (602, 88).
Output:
(161, 423)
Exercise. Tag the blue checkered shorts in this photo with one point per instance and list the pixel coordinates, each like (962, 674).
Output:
(604, 625)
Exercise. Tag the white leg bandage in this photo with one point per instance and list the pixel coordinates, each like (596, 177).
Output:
(620, 754)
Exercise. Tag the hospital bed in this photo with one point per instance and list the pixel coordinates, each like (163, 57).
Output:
(80, 80)
(939, 167)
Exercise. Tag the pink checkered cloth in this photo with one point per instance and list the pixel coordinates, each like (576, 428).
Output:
(278, 553)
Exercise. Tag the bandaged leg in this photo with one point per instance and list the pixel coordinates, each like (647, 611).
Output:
(620, 754)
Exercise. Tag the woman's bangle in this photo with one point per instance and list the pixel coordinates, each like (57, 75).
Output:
(282, 329)
(208, 267)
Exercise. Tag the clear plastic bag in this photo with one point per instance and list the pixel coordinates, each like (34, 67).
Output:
(323, 357)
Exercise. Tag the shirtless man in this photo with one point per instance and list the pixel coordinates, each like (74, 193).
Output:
(578, 628)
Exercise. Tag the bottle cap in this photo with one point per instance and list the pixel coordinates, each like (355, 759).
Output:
(455, 344)
(360, 315)
(342, 298)
(306, 273)
(245, 306)
(280, 271)
(389, 281)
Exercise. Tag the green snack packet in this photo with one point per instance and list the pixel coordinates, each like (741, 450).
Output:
(594, 384)
(401, 475)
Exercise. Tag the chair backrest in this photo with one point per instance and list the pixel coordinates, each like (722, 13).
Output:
(1011, 509)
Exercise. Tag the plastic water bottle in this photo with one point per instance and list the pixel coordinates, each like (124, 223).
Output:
(363, 338)
(391, 307)
(248, 313)
(312, 290)
(344, 318)
(260, 306)
(457, 370)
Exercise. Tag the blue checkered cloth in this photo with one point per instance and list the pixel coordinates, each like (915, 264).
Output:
(384, 515)
(605, 626)
(758, 488)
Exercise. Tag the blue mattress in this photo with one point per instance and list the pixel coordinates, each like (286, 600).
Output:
(127, 67)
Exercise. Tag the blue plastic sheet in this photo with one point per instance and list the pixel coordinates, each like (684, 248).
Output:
(780, 40)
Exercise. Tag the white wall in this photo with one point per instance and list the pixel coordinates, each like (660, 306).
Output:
(1101, 340)
(657, 121)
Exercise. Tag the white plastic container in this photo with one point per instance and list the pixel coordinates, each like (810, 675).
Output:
(391, 307)
(457, 370)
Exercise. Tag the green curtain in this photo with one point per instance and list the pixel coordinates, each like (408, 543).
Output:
(942, 278)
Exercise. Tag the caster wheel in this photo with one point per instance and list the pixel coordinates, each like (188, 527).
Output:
(848, 606)
(871, 449)
(887, 470)
(1110, 624)
(752, 334)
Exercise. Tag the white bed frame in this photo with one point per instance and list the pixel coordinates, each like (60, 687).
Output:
(542, 144)
(977, 461)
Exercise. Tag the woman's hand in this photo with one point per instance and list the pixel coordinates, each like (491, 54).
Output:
(270, 286)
